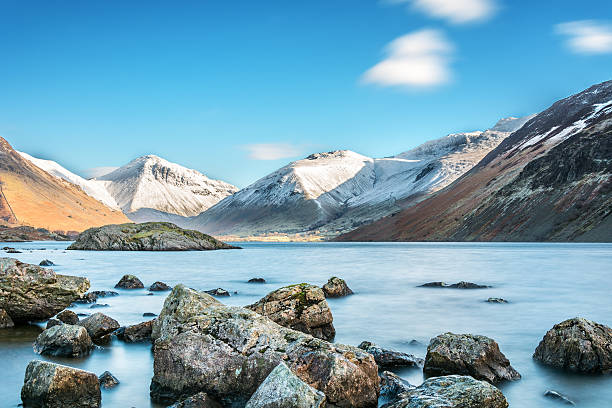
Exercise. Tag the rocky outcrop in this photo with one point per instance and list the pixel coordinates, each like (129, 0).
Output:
(452, 391)
(31, 293)
(458, 285)
(24, 234)
(52, 385)
(136, 333)
(202, 345)
(99, 325)
(300, 307)
(148, 236)
(129, 282)
(5, 320)
(577, 345)
(336, 287)
(64, 340)
(159, 287)
(108, 380)
(388, 358)
(283, 389)
(468, 354)
(68, 317)
(200, 400)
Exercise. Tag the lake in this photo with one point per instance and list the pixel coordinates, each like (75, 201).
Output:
(544, 284)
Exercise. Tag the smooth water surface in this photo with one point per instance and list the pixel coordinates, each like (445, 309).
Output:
(544, 283)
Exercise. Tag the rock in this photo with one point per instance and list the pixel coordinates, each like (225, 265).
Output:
(136, 333)
(53, 322)
(257, 280)
(31, 293)
(559, 397)
(12, 251)
(46, 262)
(159, 287)
(468, 354)
(108, 380)
(148, 314)
(577, 345)
(217, 292)
(5, 320)
(228, 351)
(300, 307)
(99, 305)
(7, 248)
(129, 282)
(148, 236)
(92, 297)
(336, 287)
(68, 317)
(496, 300)
(458, 285)
(99, 325)
(391, 386)
(63, 340)
(52, 385)
(452, 391)
(389, 358)
(200, 400)
(283, 389)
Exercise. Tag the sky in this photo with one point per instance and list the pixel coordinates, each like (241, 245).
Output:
(237, 89)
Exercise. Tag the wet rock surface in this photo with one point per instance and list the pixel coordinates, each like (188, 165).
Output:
(451, 391)
(220, 292)
(578, 345)
(5, 320)
(159, 287)
(336, 287)
(200, 400)
(458, 285)
(496, 300)
(300, 307)
(391, 386)
(64, 340)
(68, 317)
(93, 296)
(468, 354)
(52, 322)
(559, 397)
(99, 325)
(52, 385)
(129, 282)
(283, 389)
(257, 280)
(108, 380)
(202, 345)
(31, 293)
(388, 358)
(136, 333)
(46, 262)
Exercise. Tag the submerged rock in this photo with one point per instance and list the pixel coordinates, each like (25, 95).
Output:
(64, 340)
(52, 385)
(391, 386)
(31, 293)
(451, 391)
(283, 389)
(217, 292)
(46, 262)
(496, 300)
(148, 314)
(559, 397)
(148, 236)
(108, 380)
(5, 320)
(257, 280)
(336, 287)
(136, 333)
(577, 345)
(458, 285)
(159, 287)
(92, 297)
(129, 282)
(200, 400)
(12, 251)
(99, 305)
(388, 358)
(99, 325)
(202, 345)
(68, 317)
(300, 307)
(468, 354)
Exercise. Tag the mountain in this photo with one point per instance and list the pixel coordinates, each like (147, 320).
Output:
(31, 196)
(549, 181)
(149, 188)
(329, 193)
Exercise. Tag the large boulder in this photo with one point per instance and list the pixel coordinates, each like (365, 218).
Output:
(31, 293)
(64, 340)
(99, 325)
(200, 400)
(202, 345)
(300, 307)
(136, 333)
(5, 320)
(50, 385)
(148, 236)
(577, 345)
(336, 287)
(451, 391)
(388, 358)
(468, 354)
(283, 389)
(129, 282)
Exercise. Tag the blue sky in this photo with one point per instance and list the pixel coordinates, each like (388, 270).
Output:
(237, 89)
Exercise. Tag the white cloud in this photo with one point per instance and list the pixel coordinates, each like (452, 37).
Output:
(98, 171)
(587, 36)
(420, 59)
(456, 11)
(272, 151)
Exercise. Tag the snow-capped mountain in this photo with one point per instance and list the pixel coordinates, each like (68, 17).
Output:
(150, 182)
(334, 192)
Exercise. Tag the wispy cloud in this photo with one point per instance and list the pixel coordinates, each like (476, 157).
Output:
(455, 11)
(587, 36)
(416, 60)
(98, 171)
(272, 151)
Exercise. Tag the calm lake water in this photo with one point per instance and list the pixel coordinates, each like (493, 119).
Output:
(544, 283)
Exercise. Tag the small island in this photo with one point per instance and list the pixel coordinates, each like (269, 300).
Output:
(148, 236)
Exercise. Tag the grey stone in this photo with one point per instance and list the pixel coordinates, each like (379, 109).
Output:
(99, 325)
(336, 287)
(388, 358)
(64, 340)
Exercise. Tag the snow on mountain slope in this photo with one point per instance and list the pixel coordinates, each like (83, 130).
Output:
(154, 183)
(90, 187)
